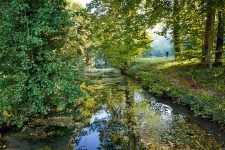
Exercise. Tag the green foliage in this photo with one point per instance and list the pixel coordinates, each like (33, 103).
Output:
(184, 82)
(35, 75)
(119, 29)
(40, 43)
(185, 22)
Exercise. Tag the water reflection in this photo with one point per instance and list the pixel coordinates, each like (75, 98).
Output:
(127, 118)
(114, 125)
(119, 115)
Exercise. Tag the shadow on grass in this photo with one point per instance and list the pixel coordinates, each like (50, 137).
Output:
(189, 71)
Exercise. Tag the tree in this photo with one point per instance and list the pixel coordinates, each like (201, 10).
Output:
(176, 27)
(209, 31)
(35, 74)
(220, 36)
(184, 21)
(120, 30)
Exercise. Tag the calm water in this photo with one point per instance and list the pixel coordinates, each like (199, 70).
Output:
(120, 115)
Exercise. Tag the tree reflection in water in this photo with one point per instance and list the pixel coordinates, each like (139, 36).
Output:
(118, 130)
(120, 115)
(123, 117)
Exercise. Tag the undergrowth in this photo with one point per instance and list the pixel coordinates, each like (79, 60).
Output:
(185, 82)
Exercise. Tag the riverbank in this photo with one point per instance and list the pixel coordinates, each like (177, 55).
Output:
(185, 82)
(117, 103)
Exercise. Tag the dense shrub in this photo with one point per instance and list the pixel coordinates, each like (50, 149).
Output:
(35, 76)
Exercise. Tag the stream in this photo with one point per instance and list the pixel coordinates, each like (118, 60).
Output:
(119, 115)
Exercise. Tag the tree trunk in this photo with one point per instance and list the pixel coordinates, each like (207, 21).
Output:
(88, 57)
(219, 43)
(208, 38)
(176, 28)
(176, 41)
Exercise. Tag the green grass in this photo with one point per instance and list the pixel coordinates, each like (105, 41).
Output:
(184, 81)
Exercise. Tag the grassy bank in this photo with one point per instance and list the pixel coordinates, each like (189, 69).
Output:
(185, 82)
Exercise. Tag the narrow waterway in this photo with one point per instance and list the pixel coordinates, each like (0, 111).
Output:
(119, 115)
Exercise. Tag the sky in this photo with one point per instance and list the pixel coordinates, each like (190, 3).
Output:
(84, 2)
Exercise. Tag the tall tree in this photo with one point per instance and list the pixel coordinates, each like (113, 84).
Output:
(209, 31)
(220, 36)
(176, 28)
(184, 22)
(120, 29)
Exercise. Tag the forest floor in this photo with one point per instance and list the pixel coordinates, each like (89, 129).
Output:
(186, 82)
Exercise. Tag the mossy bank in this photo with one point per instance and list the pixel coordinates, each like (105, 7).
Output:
(185, 82)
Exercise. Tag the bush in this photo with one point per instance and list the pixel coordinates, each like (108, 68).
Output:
(35, 76)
